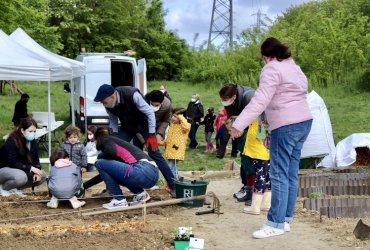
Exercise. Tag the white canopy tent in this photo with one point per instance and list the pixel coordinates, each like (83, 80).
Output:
(25, 62)
(15, 65)
(78, 68)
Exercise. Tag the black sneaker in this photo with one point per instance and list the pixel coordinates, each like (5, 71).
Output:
(247, 196)
(241, 193)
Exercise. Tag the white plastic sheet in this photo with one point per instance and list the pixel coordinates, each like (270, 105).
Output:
(346, 148)
(320, 140)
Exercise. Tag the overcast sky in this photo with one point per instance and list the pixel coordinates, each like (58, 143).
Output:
(188, 17)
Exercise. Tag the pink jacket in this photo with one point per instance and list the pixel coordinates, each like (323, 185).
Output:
(282, 94)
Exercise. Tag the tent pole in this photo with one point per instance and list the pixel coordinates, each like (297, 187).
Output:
(85, 104)
(72, 103)
(49, 123)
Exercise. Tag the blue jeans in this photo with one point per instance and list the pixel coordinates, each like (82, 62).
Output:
(285, 153)
(173, 166)
(192, 135)
(208, 136)
(128, 135)
(142, 175)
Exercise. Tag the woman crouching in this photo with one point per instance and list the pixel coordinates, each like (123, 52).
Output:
(121, 163)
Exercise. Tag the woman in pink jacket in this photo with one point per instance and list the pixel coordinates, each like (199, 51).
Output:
(282, 94)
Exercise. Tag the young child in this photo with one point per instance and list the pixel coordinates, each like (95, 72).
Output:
(75, 148)
(256, 149)
(221, 130)
(208, 121)
(90, 142)
(176, 139)
(64, 181)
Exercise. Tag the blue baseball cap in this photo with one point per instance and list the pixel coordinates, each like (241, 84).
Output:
(104, 91)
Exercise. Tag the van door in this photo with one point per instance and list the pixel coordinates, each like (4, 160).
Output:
(141, 64)
(122, 73)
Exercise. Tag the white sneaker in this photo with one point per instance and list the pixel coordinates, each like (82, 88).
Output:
(286, 227)
(141, 198)
(116, 204)
(53, 203)
(76, 203)
(4, 193)
(267, 231)
(15, 191)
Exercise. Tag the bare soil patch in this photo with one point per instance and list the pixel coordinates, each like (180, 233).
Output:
(128, 230)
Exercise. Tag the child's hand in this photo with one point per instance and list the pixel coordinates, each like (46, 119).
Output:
(83, 170)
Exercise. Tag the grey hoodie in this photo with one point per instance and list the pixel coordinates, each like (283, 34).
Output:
(65, 179)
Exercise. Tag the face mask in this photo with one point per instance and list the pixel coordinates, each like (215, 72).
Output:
(30, 136)
(162, 90)
(110, 105)
(193, 100)
(155, 108)
(227, 103)
(90, 136)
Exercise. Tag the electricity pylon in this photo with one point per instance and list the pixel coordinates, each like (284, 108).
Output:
(222, 23)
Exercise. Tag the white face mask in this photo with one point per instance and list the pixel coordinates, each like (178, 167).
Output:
(155, 108)
(193, 100)
(227, 103)
(162, 90)
(90, 136)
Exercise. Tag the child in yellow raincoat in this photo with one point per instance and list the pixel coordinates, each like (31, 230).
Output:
(176, 140)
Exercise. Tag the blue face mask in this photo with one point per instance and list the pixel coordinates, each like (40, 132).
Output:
(30, 136)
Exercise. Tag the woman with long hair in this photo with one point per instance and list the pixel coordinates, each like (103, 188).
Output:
(19, 160)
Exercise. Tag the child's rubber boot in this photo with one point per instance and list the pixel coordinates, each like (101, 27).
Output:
(255, 207)
(53, 203)
(76, 203)
(266, 201)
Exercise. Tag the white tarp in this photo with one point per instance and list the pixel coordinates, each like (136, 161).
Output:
(346, 148)
(320, 140)
(15, 65)
(22, 38)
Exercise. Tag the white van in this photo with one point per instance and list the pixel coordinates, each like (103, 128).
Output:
(116, 69)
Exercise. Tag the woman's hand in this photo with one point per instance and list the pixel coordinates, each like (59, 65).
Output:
(36, 178)
(235, 133)
(36, 171)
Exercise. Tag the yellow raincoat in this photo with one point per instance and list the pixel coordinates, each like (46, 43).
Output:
(253, 147)
(176, 140)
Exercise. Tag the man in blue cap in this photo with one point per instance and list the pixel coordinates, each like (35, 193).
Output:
(137, 119)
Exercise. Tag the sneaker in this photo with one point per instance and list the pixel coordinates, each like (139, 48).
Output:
(15, 191)
(240, 193)
(141, 198)
(116, 204)
(53, 203)
(76, 203)
(286, 227)
(267, 231)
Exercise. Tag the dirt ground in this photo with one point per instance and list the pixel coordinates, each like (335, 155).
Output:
(67, 228)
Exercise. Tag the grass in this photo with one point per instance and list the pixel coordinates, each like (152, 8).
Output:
(348, 109)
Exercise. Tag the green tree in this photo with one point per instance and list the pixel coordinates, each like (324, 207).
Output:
(32, 16)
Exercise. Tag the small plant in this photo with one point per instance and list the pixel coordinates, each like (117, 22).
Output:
(316, 195)
(183, 233)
